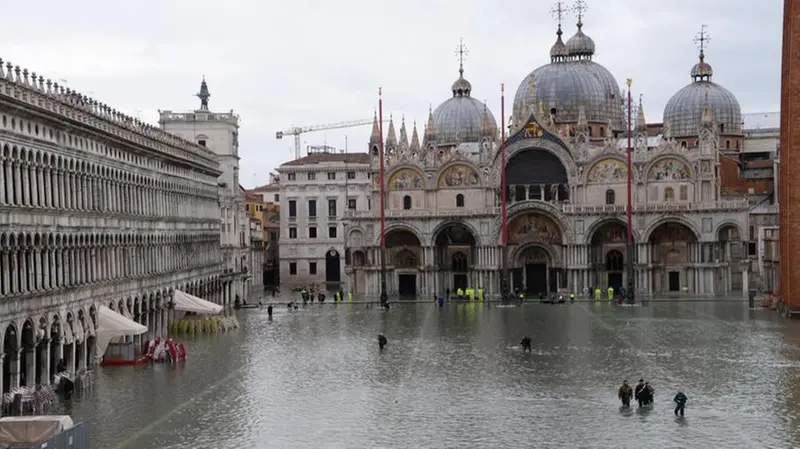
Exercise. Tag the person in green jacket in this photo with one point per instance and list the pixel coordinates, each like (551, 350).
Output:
(610, 293)
(597, 294)
(480, 293)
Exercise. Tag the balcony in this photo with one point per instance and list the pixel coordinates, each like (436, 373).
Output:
(655, 207)
(423, 213)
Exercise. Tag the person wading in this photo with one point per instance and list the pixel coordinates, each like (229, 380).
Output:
(638, 391)
(625, 394)
(680, 403)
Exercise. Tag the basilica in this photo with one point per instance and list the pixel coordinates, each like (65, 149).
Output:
(566, 181)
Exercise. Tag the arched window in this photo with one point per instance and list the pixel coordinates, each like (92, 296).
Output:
(669, 195)
(602, 132)
(406, 202)
(459, 200)
(459, 261)
(614, 261)
(683, 144)
(727, 144)
(610, 196)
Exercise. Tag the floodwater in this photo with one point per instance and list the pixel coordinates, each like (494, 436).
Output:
(454, 377)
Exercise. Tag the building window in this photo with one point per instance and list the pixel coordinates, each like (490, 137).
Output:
(312, 176)
(273, 236)
(331, 176)
(669, 195)
(369, 203)
(683, 144)
(331, 208)
(202, 143)
(332, 232)
(602, 132)
(406, 202)
(292, 233)
(751, 249)
(751, 232)
(727, 144)
(277, 197)
(312, 208)
(292, 208)
(312, 232)
(293, 268)
(351, 203)
(351, 175)
(312, 268)
(683, 191)
(459, 200)
(610, 196)
(291, 176)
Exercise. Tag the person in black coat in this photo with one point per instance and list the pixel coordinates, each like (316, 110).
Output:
(637, 392)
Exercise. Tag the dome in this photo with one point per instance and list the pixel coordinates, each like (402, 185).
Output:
(559, 50)
(684, 110)
(580, 45)
(460, 118)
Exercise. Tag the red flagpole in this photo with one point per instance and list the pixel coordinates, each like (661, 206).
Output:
(382, 168)
(503, 197)
(630, 170)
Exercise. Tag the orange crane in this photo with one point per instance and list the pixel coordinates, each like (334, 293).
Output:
(296, 131)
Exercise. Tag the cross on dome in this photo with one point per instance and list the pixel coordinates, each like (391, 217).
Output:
(580, 7)
(559, 11)
(702, 39)
(461, 52)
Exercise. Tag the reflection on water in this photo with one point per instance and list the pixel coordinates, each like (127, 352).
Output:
(454, 377)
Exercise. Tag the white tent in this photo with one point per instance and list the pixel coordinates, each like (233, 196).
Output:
(188, 303)
(111, 324)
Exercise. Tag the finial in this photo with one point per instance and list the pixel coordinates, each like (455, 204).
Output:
(461, 52)
(701, 40)
(580, 7)
(558, 12)
(380, 91)
(203, 95)
(502, 88)
(640, 100)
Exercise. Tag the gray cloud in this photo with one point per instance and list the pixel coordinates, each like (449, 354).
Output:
(284, 63)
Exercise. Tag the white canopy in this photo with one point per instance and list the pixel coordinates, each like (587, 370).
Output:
(189, 303)
(111, 324)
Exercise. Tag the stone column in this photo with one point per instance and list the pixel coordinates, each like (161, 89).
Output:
(44, 362)
(30, 366)
(13, 369)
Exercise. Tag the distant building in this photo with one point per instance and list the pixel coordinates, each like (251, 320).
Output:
(263, 202)
(314, 193)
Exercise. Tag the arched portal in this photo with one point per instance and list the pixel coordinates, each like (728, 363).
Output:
(10, 349)
(333, 267)
(536, 241)
(607, 243)
(536, 174)
(671, 244)
(27, 357)
(730, 251)
(454, 252)
(404, 257)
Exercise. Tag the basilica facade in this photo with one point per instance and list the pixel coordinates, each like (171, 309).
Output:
(96, 209)
(566, 180)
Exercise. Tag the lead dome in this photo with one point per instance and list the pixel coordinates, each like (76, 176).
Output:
(461, 118)
(571, 80)
(684, 110)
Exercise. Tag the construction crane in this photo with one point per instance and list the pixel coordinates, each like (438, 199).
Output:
(297, 130)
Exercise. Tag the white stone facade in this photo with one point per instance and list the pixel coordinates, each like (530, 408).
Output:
(315, 193)
(96, 208)
(256, 263)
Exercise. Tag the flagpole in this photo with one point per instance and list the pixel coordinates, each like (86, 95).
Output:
(384, 294)
(504, 284)
(630, 247)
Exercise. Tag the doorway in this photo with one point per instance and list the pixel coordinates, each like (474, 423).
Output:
(459, 281)
(333, 266)
(516, 277)
(615, 281)
(407, 285)
(536, 278)
(674, 281)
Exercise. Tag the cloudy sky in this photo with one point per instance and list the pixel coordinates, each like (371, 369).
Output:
(302, 62)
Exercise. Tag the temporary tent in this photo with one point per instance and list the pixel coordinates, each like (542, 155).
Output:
(188, 303)
(111, 324)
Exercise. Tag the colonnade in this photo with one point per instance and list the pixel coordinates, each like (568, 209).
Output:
(42, 262)
(35, 178)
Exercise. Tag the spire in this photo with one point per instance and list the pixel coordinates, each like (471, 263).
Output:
(430, 130)
(461, 87)
(391, 137)
(580, 8)
(702, 71)
(559, 51)
(414, 138)
(641, 124)
(375, 137)
(203, 95)
(403, 135)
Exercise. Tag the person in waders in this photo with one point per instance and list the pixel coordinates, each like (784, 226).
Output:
(625, 394)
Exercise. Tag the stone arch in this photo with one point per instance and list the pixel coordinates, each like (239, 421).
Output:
(551, 231)
(359, 258)
(596, 226)
(670, 167)
(540, 143)
(517, 255)
(405, 177)
(397, 227)
(444, 225)
(729, 230)
(648, 233)
(607, 169)
(458, 174)
(355, 237)
(548, 209)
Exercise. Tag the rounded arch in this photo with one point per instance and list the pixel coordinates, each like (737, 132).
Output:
(405, 177)
(607, 169)
(614, 260)
(648, 234)
(729, 231)
(669, 167)
(395, 229)
(601, 225)
(535, 226)
(359, 258)
(539, 143)
(355, 237)
(458, 174)
(533, 252)
(535, 165)
(549, 209)
(438, 231)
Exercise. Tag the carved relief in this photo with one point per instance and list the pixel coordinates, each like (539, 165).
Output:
(459, 176)
(608, 170)
(669, 170)
(356, 239)
(405, 178)
(534, 254)
(534, 228)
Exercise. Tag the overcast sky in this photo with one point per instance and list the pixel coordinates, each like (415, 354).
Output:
(280, 63)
